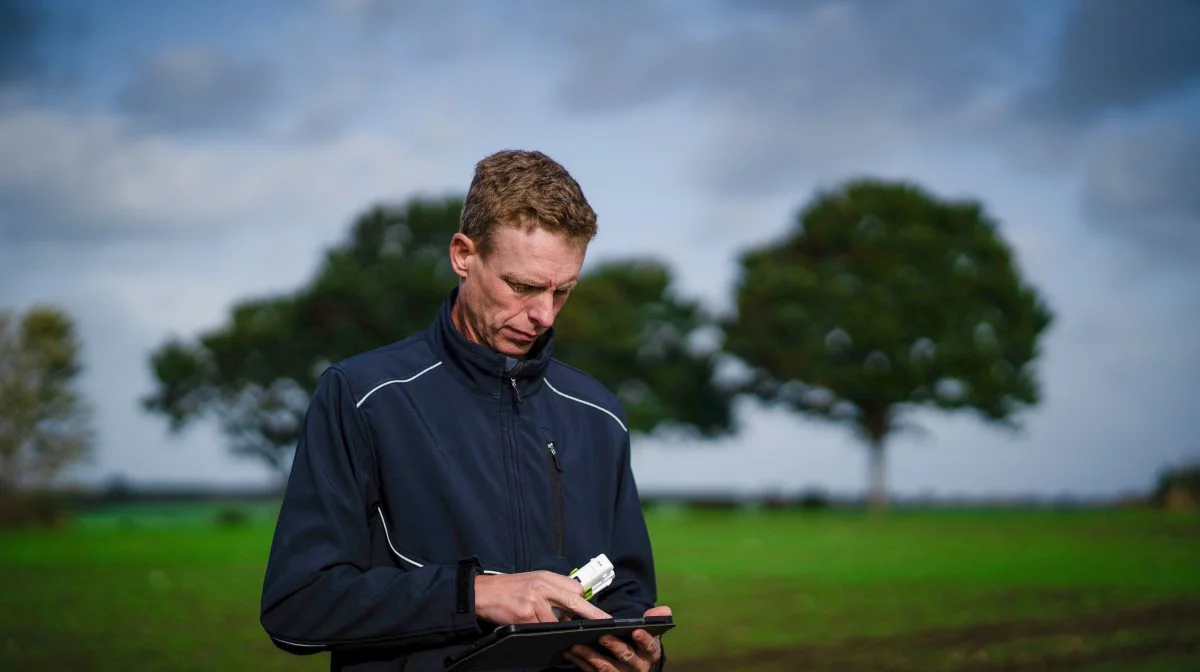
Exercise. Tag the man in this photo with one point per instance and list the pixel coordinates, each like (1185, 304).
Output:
(447, 483)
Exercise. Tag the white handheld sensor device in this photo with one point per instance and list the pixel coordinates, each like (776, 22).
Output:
(595, 576)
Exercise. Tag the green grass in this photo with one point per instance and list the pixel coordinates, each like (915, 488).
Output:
(164, 588)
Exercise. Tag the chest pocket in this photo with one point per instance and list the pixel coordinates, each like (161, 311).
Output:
(555, 470)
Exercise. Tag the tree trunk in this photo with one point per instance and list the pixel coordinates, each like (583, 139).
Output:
(281, 480)
(877, 476)
(876, 423)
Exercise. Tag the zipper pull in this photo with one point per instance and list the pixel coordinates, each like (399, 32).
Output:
(554, 454)
(516, 390)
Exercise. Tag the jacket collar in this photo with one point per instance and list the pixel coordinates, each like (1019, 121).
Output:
(483, 369)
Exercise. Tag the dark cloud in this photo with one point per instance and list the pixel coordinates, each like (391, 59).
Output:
(904, 58)
(1117, 56)
(43, 215)
(1116, 71)
(198, 89)
(39, 52)
(1144, 184)
(85, 182)
(433, 32)
(811, 91)
(801, 86)
(21, 29)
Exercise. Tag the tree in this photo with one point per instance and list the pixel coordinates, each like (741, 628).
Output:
(45, 424)
(256, 374)
(882, 299)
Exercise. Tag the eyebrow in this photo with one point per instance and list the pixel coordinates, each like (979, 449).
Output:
(514, 280)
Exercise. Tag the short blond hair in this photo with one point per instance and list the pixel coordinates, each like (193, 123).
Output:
(524, 190)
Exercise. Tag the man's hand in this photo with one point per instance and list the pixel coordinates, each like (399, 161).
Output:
(530, 597)
(642, 657)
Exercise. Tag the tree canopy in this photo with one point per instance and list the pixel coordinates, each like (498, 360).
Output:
(45, 424)
(256, 373)
(884, 297)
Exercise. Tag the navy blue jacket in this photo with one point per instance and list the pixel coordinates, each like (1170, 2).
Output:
(427, 461)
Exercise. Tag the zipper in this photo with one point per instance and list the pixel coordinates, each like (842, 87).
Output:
(557, 492)
(515, 493)
(516, 394)
(512, 382)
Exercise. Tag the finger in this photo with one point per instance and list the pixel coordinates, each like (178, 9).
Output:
(647, 643)
(580, 606)
(620, 650)
(578, 662)
(658, 611)
(596, 660)
(564, 582)
(545, 614)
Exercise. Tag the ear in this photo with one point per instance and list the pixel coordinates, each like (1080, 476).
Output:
(462, 254)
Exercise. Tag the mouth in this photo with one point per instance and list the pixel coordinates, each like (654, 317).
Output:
(521, 336)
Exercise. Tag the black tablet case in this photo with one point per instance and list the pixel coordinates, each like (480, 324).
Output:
(542, 644)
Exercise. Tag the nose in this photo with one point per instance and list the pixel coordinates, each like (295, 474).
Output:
(541, 310)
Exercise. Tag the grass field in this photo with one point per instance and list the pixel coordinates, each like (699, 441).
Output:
(165, 589)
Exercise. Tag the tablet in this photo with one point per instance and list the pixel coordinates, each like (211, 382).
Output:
(542, 644)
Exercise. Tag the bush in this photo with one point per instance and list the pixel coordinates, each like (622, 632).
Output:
(37, 508)
(1179, 488)
(813, 500)
(231, 516)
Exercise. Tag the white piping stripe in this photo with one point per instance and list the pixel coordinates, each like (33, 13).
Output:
(383, 522)
(311, 646)
(389, 382)
(588, 403)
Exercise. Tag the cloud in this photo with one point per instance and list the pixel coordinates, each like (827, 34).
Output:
(1118, 103)
(804, 93)
(89, 178)
(21, 27)
(37, 51)
(429, 32)
(198, 89)
(1143, 184)
(802, 57)
(1115, 56)
(804, 87)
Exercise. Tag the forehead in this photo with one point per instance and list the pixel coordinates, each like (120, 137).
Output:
(535, 254)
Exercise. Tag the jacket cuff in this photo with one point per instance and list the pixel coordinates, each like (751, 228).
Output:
(464, 595)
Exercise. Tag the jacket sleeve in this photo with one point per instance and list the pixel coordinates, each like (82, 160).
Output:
(634, 588)
(321, 591)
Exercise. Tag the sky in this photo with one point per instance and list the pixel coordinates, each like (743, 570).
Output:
(162, 161)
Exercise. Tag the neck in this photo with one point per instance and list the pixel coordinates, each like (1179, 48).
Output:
(458, 317)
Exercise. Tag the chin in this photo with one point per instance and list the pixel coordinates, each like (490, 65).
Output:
(513, 349)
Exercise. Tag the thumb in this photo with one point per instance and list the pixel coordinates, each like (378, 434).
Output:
(658, 611)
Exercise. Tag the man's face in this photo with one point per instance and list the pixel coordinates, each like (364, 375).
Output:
(510, 298)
